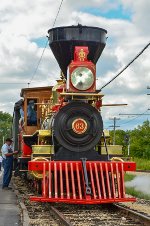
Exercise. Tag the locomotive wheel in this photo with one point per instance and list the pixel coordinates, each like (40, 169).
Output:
(78, 127)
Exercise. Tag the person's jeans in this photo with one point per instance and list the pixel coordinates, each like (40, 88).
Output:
(8, 166)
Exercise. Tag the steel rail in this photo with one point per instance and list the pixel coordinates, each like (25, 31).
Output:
(61, 217)
(134, 214)
(65, 220)
(142, 171)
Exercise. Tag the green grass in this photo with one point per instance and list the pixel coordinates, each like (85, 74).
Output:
(142, 164)
(129, 177)
(132, 191)
(138, 194)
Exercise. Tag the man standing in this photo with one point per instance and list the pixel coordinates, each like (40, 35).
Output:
(1, 159)
(7, 154)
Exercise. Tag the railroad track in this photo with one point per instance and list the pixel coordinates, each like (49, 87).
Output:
(98, 215)
(143, 171)
(45, 214)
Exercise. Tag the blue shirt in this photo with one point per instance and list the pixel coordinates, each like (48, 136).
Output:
(31, 113)
(6, 149)
(21, 113)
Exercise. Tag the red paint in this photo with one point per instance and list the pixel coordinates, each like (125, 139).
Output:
(82, 201)
(79, 126)
(81, 60)
(98, 104)
(81, 53)
(63, 181)
(26, 150)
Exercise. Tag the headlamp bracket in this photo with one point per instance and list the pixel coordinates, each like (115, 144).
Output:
(81, 60)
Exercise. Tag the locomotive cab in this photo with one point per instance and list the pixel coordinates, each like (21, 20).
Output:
(29, 114)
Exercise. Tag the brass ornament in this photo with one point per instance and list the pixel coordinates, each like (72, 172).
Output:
(38, 174)
(82, 55)
(79, 126)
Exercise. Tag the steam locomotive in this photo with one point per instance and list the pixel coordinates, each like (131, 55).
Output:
(60, 134)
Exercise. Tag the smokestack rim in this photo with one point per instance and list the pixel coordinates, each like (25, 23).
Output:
(77, 26)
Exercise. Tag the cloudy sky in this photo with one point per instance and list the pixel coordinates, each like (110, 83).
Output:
(23, 30)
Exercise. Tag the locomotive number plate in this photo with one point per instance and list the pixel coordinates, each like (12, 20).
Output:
(79, 126)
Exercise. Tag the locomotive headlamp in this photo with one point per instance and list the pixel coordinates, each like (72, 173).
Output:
(82, 72)
(82, 78)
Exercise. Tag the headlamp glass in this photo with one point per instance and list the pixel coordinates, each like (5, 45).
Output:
(82, 78)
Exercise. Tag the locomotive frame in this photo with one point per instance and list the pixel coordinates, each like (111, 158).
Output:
(60, 150)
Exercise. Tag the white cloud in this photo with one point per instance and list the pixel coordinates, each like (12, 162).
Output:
(140, 14)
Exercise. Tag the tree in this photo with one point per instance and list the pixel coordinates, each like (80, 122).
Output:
(5, 126)
(139, 140)
(119, 137)
(120, 134)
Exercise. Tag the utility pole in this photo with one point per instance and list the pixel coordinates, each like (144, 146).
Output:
(114, 128)
(129, 148)
(148, 87)
(127, 142)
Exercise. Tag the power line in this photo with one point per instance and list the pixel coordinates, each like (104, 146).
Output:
(134, 118)
(12, 83)
(39, 61)
(125, 66)
(58, 12)
(138, 115)
(15, 83)
(134, 114)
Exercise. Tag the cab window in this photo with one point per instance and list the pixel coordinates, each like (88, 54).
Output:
(31, 112)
